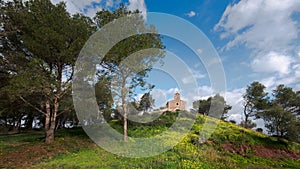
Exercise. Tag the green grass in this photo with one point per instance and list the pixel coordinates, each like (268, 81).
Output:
(80, 152)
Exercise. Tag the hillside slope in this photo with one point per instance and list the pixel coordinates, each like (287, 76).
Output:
(230, 146)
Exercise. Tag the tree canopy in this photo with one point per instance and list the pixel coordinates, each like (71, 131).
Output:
(213, 106)
(255, 99)
(46, 40)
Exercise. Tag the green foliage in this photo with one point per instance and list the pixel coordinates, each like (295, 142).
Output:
(248, 124)
(46, 40)
(280, 114)
(146, 102)
(125, 68)
(255, 99)
(285, 97)
(189, 153)
(213, 106)
(162, 121)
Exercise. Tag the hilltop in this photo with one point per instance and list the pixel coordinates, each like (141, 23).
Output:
(230, 146)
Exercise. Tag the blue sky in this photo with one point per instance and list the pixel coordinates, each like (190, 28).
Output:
(255, 39)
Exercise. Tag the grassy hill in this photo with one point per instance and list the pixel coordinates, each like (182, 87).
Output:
(230, 146)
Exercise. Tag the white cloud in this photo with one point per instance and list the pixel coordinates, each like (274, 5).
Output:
(91, 12)
(269, 82)
(109, 3)
(272, 63)
(77, 6)
(205, 91)
(196, 75)
(160, 98)
(297, 87)
(138, 4)
(188, 79)
(296, 70)
(87, 7)
(236, 117)
(260, 24)
(138, 97)
(191, 14)
(199, 51)
(287, 80)
(234, 98)
(292, 79)
(172, 91)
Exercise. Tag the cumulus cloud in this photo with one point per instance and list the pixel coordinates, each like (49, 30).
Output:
(297, 87)
(91, 12)
(78, 6)
(191, 14)
(205, 91)
(269, 83)
(281, 69)
(234, 98)
(89, 8)
(196, 75)
(160, 97)
(272, 63)
(140, 5)
(271, 31)
(260, 24)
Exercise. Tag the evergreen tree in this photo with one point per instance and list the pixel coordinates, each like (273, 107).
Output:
(146, 102)
(255, 100)
(215, 105)
(127, 73)
(48, 41)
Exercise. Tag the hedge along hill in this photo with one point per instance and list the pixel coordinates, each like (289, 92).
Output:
(230, 146)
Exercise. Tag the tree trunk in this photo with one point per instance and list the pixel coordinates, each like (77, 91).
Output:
(52, 118)
(58, 124)
(51, 128)
(49, 135)
(20, 124)
(29, 121)
(124, 106)
(6, 122)
(50, 132)
(125, 125)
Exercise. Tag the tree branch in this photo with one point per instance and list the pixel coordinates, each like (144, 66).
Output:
(65, 110)
(39, 110)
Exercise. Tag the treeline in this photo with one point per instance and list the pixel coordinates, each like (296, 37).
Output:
(280, 109)
(39, 45)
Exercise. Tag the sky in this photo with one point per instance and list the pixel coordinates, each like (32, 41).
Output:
(256, 40)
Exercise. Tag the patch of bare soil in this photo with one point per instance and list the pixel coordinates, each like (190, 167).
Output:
(28, 154)
(261, 151)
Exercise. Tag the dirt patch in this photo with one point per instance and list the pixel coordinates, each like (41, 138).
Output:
(25, 155)
(269, 152)
(261, 151)
(28, 154)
